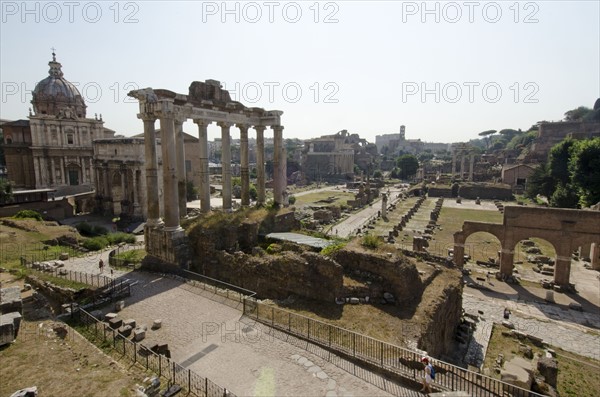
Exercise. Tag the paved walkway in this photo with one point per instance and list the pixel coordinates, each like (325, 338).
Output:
(566, 330)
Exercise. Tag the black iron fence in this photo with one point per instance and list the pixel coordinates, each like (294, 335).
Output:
(50, 268)
(398, 360)
(163, 366)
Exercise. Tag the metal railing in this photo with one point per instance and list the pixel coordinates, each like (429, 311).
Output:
(161, 365)
(94, 280)
(395, 359)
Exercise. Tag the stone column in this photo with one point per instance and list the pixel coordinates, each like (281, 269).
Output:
(595, 256)
(181, 179)
(277, 169)
(244, 166)
(52, 171)
(260, 163)
(471, 166)
(562, 270)
(36, 170)
(462, 166)
(152, 204)
(453, 163)
(169, 161)
(506, 262)
(204, 175)
(226, 165)
(137, 210)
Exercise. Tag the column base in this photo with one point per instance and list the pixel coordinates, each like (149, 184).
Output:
(154, 222)
(168, 244)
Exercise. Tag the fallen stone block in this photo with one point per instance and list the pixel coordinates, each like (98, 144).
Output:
(119, 305)
(139, 334)
(97, 314)
(115, 323)
(130, 322)
(575, 306)
(125, 330)
(110, 316)
(157, 324)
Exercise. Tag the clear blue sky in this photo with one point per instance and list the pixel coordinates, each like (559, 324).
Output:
(355, 65)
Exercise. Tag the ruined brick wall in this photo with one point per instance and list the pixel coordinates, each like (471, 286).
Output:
(485, 191)
(305, 274)
(400, 276)
(443, 308)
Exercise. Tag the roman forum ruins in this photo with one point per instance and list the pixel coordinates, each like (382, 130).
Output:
(206, 103)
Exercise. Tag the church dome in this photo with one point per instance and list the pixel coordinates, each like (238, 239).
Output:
(56, 96)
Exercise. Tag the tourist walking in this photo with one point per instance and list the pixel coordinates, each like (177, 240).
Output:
(101, 265)
(427, 379)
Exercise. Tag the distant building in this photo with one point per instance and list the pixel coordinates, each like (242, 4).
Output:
(53, 149)
(517, 176)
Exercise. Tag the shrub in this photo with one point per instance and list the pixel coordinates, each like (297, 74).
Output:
(292, 199)
(95, 243)
(371, 241)
(120, 237)
(273, 248)
(330, 250)
(28, 214)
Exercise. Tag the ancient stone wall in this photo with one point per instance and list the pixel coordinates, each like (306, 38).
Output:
(400, 277)
(444, 312)
(306, 274)
(485, 191)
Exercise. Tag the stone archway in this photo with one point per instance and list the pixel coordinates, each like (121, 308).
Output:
(563, 228)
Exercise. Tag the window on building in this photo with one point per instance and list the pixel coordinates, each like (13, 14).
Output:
(521, 181)
(188, 165)
(70, 139)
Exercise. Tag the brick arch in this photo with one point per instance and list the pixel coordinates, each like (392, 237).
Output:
(469, 228)
(565, 229)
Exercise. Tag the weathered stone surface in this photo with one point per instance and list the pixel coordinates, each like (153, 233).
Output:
(304, 274)
(115, 323)
(130, 322)
(10, 300)
(110, 316)
(27, 392)
(119, 305)
(125, 330)
(400, 277)
(548, 368)
(157, 324)
(518, 372)
(139, 334)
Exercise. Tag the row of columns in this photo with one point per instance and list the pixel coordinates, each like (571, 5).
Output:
(173, 159)
(462, 165)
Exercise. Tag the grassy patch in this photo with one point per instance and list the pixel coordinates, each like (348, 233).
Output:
(59, 281)
(58, 367)
(339, 197)
(133, 256)
(578, 376)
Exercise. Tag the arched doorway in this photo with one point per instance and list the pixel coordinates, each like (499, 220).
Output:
(482, 246)
(73, 174)
(534, 258)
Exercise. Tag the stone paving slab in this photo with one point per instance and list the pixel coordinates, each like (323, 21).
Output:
(245, 357)
(571, 337)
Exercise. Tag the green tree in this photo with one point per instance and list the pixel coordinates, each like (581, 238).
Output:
(578, 114)
(191, 191)
(5, 191)
(564, 196)
(408, 166)
(487, 134)
(540, 182)
(584, 167)
(560, 156)
(377, 174)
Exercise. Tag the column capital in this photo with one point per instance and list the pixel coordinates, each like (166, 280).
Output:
(260, 128)
(202, 122)
(147, 116)
(224, 124)
(242, 127)
(166, 108)
(277, 128)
